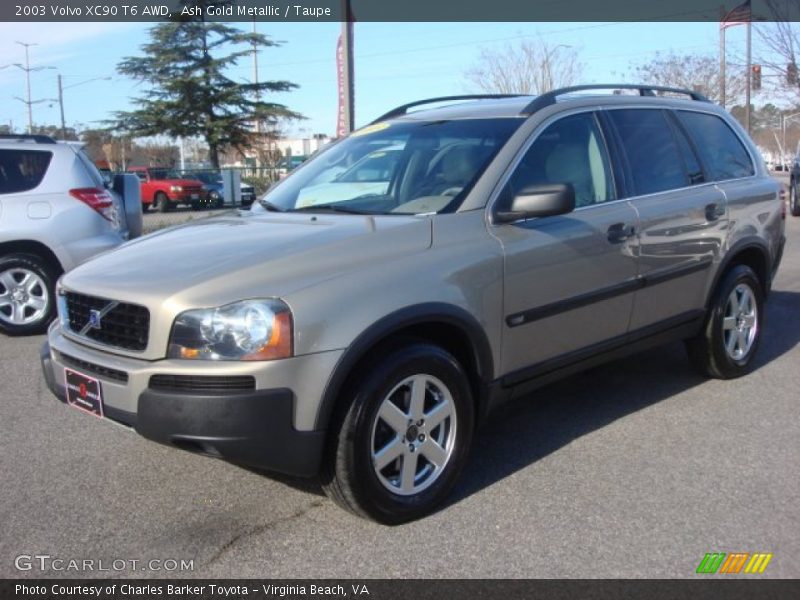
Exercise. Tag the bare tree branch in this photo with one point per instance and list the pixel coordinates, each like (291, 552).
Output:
(693, 72)
(528, 67)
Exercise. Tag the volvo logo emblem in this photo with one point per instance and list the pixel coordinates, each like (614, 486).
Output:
(95, 318)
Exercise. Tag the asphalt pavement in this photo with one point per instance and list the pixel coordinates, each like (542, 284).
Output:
(634, 469)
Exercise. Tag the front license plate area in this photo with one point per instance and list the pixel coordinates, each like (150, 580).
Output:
(83, 392)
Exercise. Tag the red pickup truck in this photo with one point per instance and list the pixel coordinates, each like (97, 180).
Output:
(162, 189)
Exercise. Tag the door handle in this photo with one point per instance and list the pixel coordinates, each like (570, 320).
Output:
(714, 211)
(619, 232)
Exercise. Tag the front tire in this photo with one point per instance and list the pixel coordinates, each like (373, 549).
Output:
(27, 294)
(794, 205)
(162, 202)
(726, 347)
(403, 436)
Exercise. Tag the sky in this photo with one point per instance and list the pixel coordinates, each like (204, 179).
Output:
(395, 63)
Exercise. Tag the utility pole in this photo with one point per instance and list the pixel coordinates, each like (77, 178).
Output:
(749, 78)
(61, 107)
(27, 70)
(61, 89)
(347, 51)
(722, 60)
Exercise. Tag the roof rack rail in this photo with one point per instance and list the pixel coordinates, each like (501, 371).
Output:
(402, 110)
(24, 137)
(549, 98)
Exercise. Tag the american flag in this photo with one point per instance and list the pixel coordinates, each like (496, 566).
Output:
(737, 16)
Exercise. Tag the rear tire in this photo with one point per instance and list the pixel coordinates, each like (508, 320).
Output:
(27, 294)
(384, 461)
(726, 347)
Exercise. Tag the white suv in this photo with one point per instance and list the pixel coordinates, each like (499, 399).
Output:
(55, 212)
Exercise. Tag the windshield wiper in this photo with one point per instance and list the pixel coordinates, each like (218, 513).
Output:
(335, 208)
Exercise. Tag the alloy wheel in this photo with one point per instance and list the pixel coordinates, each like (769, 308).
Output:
(413, 435)
(23, 296)
(740, 322)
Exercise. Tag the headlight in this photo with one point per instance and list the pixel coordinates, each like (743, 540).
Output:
(176, 188)
(248, 330)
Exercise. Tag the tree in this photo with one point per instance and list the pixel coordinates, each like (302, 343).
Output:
(54, 131)
(781, 39)
(693, 72)
(529, 67)
(185, 63)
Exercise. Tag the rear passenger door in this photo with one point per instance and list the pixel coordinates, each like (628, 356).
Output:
(682, 214)
(569, 279)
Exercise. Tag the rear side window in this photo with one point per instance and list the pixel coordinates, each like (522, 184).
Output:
(22, 170)
(722, 152)
(653, 155)
(90, 167)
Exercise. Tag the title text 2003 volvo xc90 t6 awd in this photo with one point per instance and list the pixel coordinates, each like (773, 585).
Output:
(501, 242)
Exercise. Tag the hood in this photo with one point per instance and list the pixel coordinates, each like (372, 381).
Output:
(242, 255)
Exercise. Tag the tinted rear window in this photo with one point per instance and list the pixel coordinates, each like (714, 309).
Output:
(22, 170)
(722, 152)
(655, 161)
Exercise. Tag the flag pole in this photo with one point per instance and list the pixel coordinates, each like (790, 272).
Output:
(749, 77)
(722, 66)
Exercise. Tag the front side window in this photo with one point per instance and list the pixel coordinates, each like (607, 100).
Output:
(396, 167)
(571, 150)
(654, 158)
(723, 153)
(22, 170)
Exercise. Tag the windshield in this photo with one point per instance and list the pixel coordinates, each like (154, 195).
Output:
(164, 174)
(396, 167)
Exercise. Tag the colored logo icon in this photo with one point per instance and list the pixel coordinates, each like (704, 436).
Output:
(733, 563)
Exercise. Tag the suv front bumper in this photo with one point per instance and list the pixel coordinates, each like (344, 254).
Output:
(253, 427)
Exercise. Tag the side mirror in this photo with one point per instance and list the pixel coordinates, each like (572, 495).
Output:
(543, 200)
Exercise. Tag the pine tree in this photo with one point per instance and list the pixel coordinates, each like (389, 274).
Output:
(185, 64)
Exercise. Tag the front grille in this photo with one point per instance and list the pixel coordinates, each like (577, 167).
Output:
(120, 325)
(203, 383)
(88, 367)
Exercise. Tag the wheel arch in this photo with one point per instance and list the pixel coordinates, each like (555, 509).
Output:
(31, 247)
(445, 325)
(752, 252)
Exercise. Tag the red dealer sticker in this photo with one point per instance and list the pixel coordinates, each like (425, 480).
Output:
(83, 392)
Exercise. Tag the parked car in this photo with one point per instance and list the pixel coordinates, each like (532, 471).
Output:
(55, 213)
(163, 189)
(794, 181)
(212, 181)
(521, 239)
